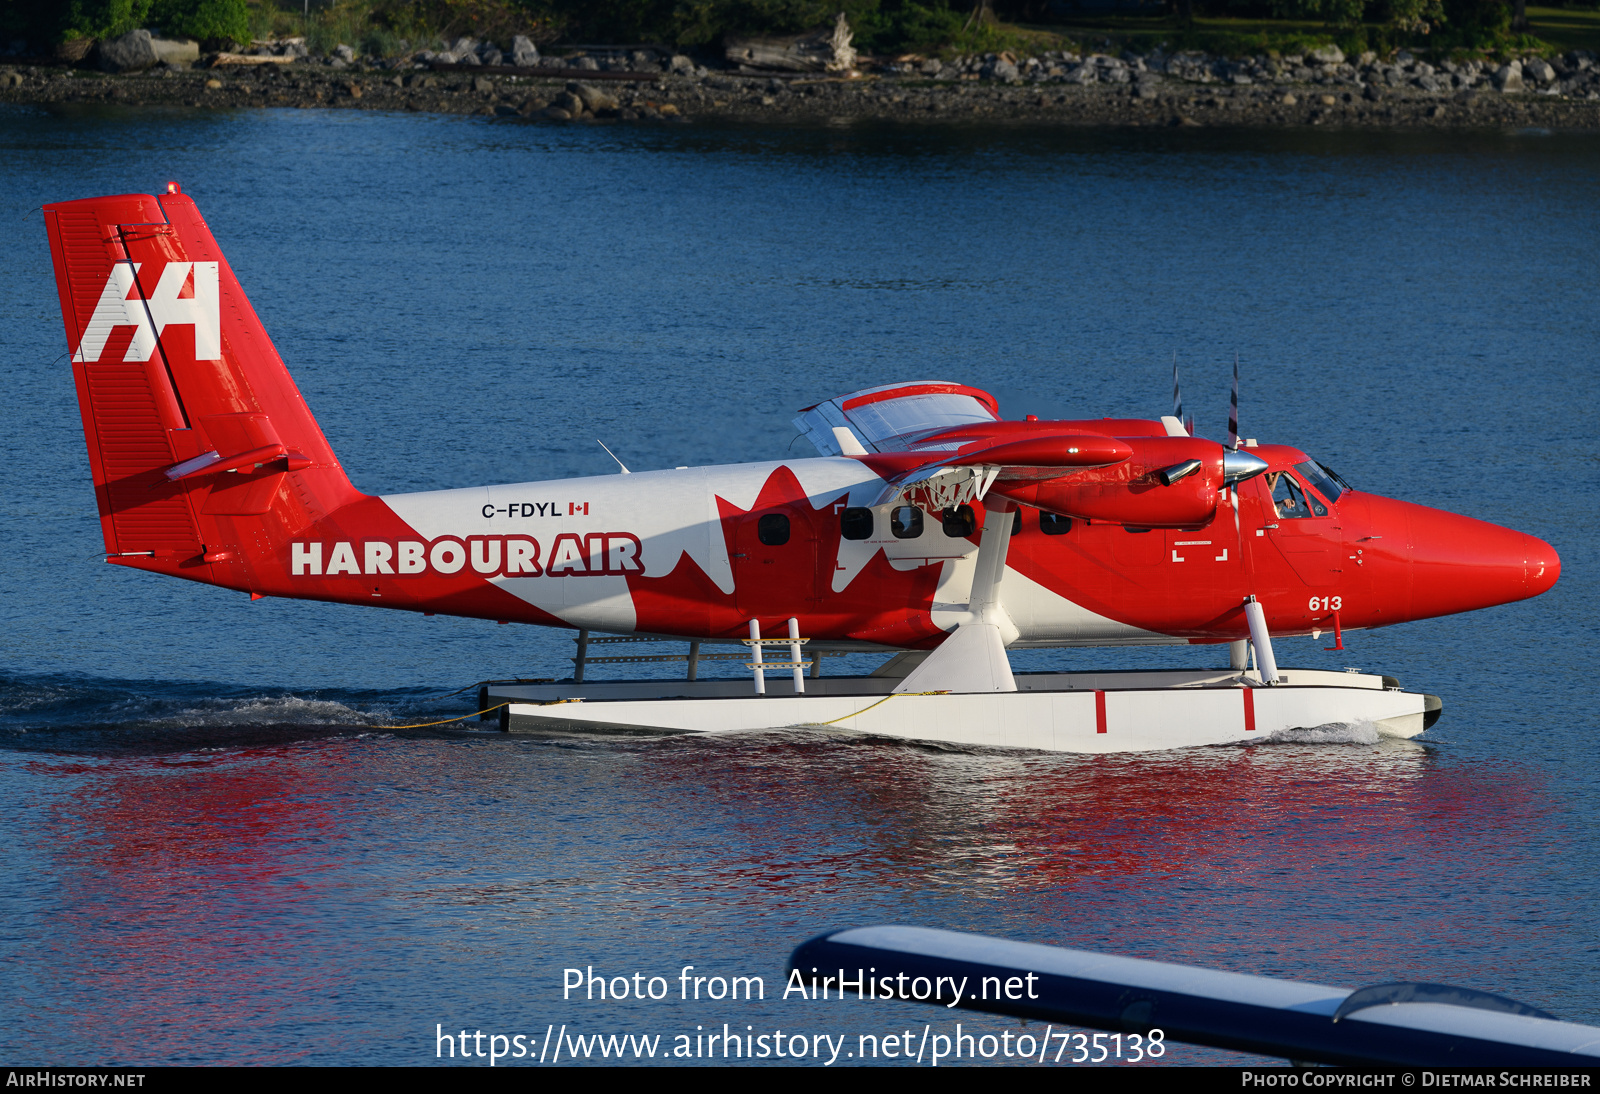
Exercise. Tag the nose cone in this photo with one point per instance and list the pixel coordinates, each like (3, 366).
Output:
(1543, 565)
(1459, 564)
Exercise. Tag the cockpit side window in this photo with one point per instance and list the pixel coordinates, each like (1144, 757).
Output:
(1290, 500)
(1319, 479)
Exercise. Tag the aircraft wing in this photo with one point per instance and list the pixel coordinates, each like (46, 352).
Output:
(1404, 1024)
(942, 444)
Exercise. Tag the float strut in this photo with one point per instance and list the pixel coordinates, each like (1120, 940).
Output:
(1338, 635)
(694, 660)
(1266, 664)
(582, 658)
(756, 670)
(794, 656)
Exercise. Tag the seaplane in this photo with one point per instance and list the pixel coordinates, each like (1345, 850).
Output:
(928, 528)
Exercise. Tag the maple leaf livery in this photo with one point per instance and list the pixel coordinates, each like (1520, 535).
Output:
(928, 527)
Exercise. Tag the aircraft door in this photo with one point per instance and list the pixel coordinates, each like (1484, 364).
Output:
(1307, 531)
(775, 563)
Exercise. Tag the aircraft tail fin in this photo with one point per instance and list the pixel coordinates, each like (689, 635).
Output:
(197, 435)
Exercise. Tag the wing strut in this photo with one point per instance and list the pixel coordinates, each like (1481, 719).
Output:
(972, 658)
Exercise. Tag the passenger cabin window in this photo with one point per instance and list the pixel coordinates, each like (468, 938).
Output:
(856, 523)
(1292, 502)
(905, 521)
(773, 529)
(1319, 479)
(1053, 524)
(959, 522)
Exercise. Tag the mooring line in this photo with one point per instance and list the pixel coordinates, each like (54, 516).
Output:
(447, 721)
(879, 703)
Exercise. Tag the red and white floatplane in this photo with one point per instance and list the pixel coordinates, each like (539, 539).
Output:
(927, 528)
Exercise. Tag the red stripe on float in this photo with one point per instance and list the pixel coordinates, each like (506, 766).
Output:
(1249, 710)
(1099, 712)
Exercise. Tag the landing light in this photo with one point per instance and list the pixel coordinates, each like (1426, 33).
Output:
(174, 188)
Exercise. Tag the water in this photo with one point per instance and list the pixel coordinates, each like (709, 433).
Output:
(220, 849)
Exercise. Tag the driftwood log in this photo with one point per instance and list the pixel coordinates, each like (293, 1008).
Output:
(824, 50)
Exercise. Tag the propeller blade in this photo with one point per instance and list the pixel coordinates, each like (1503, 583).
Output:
(1233, 407)
(1177, 392)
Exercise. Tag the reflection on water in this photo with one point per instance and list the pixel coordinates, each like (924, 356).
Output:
(326, 897)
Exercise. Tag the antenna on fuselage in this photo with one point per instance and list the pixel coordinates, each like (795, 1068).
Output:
(613, 455)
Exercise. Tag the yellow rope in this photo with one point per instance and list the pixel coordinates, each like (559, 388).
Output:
(879, 703)
(447, 721)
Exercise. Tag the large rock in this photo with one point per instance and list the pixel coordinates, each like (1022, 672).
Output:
(524, 52)
(594, 100)
(1540, 70)
(138, 50)
(1509, 77)
(1327, 55)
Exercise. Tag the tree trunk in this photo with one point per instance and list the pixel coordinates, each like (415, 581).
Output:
(819, 51)
(1519, 16)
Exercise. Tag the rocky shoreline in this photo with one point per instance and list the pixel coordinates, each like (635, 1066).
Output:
(1153, 90)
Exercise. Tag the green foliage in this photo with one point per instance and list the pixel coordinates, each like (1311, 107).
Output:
(204, 20)
(49, 21)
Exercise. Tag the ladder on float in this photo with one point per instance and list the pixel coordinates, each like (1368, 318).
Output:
(758, 666)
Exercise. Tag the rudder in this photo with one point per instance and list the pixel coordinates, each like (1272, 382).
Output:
(202, 450)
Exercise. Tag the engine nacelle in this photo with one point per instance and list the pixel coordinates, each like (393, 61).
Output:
(1155, 487)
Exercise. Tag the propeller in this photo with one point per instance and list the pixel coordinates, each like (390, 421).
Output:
(1177, 398)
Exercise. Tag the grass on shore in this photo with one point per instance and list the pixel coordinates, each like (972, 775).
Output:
(1551, 30)
(1566, 28)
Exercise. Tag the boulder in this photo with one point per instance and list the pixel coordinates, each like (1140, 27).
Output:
(131, 52)
(1003, 69)
(491, 56)
(464, 45)
(1509, 77)
(524, 52)
(568, 103)
(1327, 55)
(344, 53)
(931, 66)
(1540, 70)
(138, 50)
(681, 65)
(594, 100)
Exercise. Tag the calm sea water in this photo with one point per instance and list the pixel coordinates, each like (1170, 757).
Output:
(217, 852)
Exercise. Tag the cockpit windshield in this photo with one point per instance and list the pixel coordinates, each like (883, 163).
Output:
(1323, 480)
(1290, 500)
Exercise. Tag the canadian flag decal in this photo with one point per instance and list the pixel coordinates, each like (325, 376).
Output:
(186, 294)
